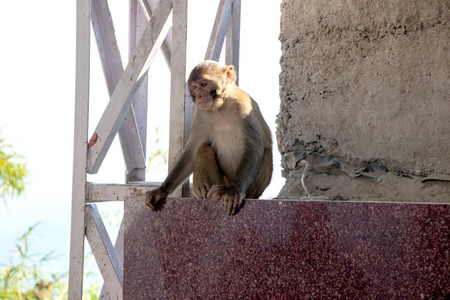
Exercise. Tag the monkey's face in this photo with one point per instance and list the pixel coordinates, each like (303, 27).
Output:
(206, 94)
(208, 82)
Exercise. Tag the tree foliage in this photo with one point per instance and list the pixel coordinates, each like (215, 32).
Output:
(12, 172)
(23, 278)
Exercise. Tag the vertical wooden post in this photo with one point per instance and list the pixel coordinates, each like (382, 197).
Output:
(178, 82)
(138, 23)
(233, 37)
(80, 150)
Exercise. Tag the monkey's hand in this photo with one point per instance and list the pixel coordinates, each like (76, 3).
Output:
(155, 199)
(201, 192)
(205, 192)
(216, 192)
(232, 201)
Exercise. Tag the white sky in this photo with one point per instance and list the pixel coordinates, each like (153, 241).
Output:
(37, 89)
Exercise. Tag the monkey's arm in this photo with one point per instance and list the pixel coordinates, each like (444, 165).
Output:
(182, 169)
(155, 199)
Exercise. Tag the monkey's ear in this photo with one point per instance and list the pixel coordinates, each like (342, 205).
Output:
(230, 74)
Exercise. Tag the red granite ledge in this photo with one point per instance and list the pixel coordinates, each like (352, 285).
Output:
(277, 249)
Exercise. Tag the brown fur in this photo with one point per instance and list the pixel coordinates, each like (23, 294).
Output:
(230, 146)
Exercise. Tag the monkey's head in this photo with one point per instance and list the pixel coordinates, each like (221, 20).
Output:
(208, 83)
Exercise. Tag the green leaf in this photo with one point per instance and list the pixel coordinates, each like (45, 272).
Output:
(13, 171)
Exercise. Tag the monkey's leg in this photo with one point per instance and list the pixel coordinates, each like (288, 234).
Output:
(207, 173)
(263, 177)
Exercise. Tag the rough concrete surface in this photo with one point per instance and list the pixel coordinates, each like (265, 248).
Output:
(365, 99)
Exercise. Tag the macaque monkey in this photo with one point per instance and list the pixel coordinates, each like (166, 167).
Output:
(230, 146)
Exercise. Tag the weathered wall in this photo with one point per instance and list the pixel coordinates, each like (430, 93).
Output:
(365, 98)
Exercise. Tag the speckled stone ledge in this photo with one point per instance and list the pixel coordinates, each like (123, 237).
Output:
(287, 250)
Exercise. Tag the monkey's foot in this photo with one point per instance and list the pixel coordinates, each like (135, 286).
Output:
(201, 192)
(232, 202)
(216, 191)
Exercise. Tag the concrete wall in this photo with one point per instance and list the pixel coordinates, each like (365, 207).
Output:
(365, 99)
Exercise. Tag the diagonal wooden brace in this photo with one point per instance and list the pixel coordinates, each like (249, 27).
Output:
(148, 6)
(122, 97)
(106, 256)
(219, 31)
(132, 147)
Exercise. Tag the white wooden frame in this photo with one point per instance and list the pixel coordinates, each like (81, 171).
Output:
(126, 115)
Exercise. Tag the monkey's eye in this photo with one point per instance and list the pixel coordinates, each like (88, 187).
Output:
(203, 83)
(193, 87)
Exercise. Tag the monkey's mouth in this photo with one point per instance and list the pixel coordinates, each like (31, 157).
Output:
(205, 103)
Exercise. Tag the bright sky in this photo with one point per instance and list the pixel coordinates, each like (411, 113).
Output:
(37, 59)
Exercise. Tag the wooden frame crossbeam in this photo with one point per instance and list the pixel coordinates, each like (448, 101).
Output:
(116, 192)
